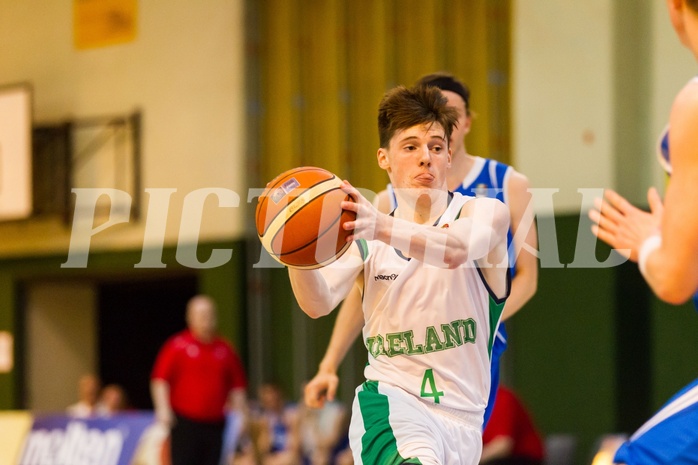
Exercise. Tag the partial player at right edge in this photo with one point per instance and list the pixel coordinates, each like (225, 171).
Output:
(665, 245)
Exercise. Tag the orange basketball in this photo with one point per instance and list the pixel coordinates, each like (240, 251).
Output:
(299, 218)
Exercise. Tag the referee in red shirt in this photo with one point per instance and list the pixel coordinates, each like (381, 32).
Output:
(197, 377)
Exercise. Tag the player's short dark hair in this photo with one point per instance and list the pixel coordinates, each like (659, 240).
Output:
(403, 107)
(447, 81)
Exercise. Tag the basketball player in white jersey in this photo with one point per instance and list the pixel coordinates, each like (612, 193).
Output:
(470, 175)
(433, 276)
(664, 242)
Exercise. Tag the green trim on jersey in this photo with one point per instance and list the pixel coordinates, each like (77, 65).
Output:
(363, 248)
(496, 310)
(378, 443)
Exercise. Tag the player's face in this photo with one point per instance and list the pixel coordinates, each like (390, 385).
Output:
(417, 158)
(464, 121)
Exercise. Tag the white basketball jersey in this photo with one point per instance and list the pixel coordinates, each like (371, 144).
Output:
(429, 330)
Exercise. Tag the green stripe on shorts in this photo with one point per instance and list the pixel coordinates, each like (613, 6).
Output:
(378, 444)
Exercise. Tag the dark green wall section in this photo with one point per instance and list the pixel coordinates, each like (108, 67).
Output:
(227, 284)
(8, 381)
(562, 347)
(594, 352)
(286, 318)
(674, 340)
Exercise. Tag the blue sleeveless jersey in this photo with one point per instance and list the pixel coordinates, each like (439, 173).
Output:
(488, 178)
(669, 436)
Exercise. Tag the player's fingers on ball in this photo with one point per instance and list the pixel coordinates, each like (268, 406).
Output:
(350, 206)
(349, 189)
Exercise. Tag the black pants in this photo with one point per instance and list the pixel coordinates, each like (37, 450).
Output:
(196, 443)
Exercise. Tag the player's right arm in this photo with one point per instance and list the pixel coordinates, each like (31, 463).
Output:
(319, 291)
(347, 328)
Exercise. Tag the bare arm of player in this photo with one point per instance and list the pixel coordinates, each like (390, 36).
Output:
(319, 291)
(523, 227)
(477, 235)
(670, 267)
(347, 328)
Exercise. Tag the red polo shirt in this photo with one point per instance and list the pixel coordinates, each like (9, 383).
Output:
(200, 375)
(510, 418)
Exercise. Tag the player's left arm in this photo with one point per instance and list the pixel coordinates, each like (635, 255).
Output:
(525, 243)
(672, 269)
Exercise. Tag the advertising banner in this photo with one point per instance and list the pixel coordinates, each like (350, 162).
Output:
(62, 440)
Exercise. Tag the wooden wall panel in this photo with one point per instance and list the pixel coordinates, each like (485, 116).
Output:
(325, 64)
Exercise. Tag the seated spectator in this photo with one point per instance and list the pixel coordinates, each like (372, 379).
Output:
(510, 437)
(88, 392)
(112, 400)
(323, 432)
(271, 436)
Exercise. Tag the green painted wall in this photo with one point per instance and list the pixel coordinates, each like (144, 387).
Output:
(8, 381)
(561, 348)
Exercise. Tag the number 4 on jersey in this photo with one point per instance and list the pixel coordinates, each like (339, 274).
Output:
(428, 382)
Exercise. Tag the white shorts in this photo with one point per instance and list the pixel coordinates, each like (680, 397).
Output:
(389, 426)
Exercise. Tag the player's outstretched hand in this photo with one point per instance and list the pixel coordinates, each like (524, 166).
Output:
(624, 226)
(323, 387)
(368, 218)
